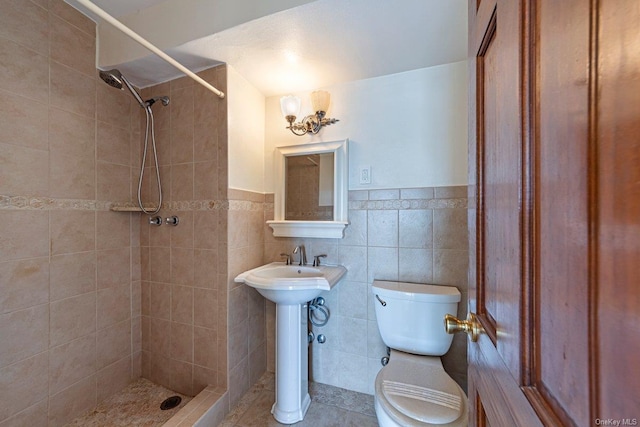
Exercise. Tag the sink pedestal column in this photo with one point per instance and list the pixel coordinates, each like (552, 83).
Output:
(292, 377)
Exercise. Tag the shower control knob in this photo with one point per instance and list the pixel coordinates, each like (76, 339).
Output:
(155, 220)
(172, 220)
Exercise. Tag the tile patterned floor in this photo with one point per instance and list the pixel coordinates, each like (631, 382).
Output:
(137, 405)
(330, 407)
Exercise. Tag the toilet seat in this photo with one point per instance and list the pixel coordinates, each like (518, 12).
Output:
(416, 390)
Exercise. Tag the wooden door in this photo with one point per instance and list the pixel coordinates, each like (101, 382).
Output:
(554, 213)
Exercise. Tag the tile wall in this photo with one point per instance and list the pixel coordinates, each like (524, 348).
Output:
(184, 268)
(414, 235)
(69, 267)
(247, 312)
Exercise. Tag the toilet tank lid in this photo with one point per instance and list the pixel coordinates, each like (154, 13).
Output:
(417, 291)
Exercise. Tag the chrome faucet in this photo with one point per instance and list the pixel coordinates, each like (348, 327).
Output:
(303, 254)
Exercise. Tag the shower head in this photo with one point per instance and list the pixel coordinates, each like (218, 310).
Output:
(115, 79)
(112, 78)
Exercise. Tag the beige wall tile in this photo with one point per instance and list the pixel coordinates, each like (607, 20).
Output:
(204, 377)
(160, 236)
(71, 362)
(72, 231)
(416, 228)
(25, 23)
(160, 264)
(113, 105)
(25, 121)
(24, 71)
(450, 229)
(113, 378)
(450, 268)
(24, 234)
(71, 15)
(114, 305)
(182, 236)
(71, 46)
(181, 144)
(182, 107)
(72, 90)
(182, 342)
(205, 351)
(72, 318)
(182, 182)
(72, 177)
(182, 377)
(24, 384)
(113, 144)
(182, 265)
(72, 275)
(205, 308)
(23, 284)
(113, 230)
(35, 415)
(114, 267)
(205, 268)
(182, 304)
(114, 182)
(71, 134)
(160, 337)
(160, 300)
(24, 332)
(208, 232)
(113, 343)
(15, 178)
(72, 401)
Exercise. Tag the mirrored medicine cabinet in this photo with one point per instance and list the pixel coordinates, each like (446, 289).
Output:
(311, 190)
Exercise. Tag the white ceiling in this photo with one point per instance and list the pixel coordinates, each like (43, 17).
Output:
(318, 44)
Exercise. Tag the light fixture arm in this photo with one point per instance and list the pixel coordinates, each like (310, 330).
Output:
(309, 124)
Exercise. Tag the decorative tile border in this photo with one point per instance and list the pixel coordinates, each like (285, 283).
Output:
(407, 204)
(414, 198)
(49, 203)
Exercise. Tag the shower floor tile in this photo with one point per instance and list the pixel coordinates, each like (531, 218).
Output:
(137, 405)
(330, 407)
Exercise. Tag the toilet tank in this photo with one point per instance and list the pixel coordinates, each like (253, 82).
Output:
(410, 316)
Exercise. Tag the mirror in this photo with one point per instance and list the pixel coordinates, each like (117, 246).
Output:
(308, 187)
(311, 190)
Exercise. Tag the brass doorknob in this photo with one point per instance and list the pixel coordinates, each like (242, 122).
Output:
(471, 326)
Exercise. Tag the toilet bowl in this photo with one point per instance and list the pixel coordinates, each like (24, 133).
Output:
(413, 389)
(416, 391)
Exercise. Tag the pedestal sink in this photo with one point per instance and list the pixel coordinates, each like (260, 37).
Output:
(290, 287)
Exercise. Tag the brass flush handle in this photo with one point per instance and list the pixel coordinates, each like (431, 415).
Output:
(471, 326)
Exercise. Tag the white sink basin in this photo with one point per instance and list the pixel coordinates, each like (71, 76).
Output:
(292, 284)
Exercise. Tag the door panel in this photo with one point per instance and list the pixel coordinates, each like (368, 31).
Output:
(561, 235)
(618, 210)
(554, 211)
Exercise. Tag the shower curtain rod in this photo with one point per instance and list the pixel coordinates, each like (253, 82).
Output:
(132, 34)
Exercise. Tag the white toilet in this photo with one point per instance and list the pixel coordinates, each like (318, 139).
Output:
(413, 389)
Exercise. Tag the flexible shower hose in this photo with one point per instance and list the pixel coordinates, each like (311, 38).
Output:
(149, 121)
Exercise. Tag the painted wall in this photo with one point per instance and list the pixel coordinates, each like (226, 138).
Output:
(411, 128)
(246, 133)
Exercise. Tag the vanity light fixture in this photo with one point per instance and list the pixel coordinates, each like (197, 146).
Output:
(290, 106)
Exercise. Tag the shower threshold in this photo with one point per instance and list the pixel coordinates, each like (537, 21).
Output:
(136, 405)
